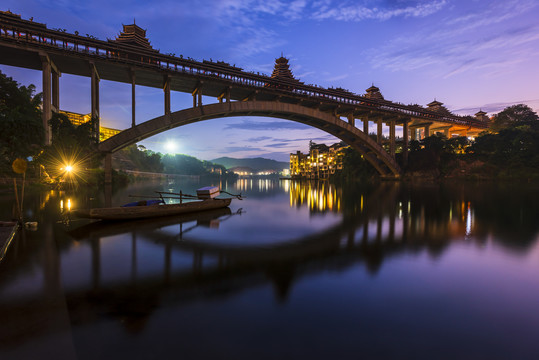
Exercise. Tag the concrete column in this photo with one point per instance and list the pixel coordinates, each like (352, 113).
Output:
(197, 95)
(379, 131)
(366, 125)
(133, 107)
(427, 131)
(228, 91)
(351, 120)
(166, 89)
(392, 144)
(446, 133)
(405, 142)
(413, 134)
(55, 91)
(95, 99)
(108, 168)
(47, 100)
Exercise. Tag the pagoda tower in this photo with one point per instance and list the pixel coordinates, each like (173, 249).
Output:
(134, 35)
(374, 93)
(481, 115)
(435, 106)
(281, 71)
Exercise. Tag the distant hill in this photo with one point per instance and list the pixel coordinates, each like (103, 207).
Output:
(254, 163)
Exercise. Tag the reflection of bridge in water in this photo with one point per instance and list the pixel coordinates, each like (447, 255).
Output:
(383, 225)
(130, 59)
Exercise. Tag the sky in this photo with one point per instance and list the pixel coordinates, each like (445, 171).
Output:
(469, 54)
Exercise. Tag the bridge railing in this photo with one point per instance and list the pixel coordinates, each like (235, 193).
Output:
(25, 31)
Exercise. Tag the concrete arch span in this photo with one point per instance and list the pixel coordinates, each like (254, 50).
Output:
(372, 151)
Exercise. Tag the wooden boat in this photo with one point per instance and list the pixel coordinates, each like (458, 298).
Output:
(150, 211)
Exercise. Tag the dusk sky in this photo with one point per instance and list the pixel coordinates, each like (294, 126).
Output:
(468, 54)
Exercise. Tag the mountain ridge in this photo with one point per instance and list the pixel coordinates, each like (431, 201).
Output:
(258, 163)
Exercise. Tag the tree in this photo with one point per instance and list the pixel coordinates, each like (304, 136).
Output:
(355, 166)
(21, 127)
(72, 145)
(144, 159)
(183, 164)
(516, 115)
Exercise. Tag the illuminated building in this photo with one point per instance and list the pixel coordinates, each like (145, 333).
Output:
(321, 162)
(79, 119)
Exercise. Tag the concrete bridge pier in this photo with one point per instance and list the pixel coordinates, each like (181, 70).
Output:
(166, 89)
(351, 119)
(108, 168)
(392, 143)
(133, 81)
(197, 95)
(379, 131)
(51, 93)
(366, 125)
(405, 141)
(94, 78)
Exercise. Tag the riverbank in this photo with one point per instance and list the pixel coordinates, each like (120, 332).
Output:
(473, 171)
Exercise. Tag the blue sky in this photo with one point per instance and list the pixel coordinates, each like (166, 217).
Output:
(470, 55)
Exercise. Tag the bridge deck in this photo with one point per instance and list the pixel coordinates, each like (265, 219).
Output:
(25, 44)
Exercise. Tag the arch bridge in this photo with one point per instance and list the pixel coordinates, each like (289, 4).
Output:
(131, 59)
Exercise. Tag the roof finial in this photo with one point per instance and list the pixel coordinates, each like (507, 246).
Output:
(134, 22)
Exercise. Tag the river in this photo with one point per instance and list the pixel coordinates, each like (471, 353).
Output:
(295, 270)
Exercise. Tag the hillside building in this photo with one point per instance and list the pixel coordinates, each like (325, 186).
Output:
(79, 119)
(321, 162)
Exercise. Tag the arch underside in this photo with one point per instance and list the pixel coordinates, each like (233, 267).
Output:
(357, 139)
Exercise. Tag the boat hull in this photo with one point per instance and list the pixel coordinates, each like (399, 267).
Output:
(143, 212)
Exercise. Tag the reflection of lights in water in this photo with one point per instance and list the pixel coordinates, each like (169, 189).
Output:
(286, 186)
(469, 220)
(67, 206)
(319, 197)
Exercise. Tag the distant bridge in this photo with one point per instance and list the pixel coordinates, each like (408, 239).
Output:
(131, 59)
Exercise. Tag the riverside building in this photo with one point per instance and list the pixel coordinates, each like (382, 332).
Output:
(321, 162)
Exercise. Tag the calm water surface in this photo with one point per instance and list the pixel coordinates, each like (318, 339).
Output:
(296, 270)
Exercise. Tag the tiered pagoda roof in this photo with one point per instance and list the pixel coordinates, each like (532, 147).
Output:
(282, 71)
(374, 93)
(438, 107)
(481, 115)
(134, 35)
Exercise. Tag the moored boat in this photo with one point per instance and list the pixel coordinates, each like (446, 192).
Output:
(149, 211)
(206, 199)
